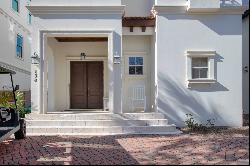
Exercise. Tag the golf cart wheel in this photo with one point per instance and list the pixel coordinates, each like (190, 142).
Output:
(21, 133)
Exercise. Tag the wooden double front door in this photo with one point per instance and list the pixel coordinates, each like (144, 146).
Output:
(86, 87)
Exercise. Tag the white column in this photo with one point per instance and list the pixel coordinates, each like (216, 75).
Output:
(117, 50)
(45, 77)
(110, 73)
(41, 45)
(115, 74)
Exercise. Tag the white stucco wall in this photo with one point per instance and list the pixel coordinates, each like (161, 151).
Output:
(138, 8)
(222, 101)
(11, 24)
(246, 64)
(171, 2)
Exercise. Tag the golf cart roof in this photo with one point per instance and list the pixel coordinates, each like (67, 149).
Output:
(6, 71)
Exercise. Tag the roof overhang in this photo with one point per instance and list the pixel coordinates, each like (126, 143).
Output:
(6, 71)
(138, 22)
(185, 10)
(47, 10)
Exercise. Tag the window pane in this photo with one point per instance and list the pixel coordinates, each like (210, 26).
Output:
(19, 40)
(139, 70)
(19, 51)
(203, 73)
(195, 73)
(199, 73)
(139, 61)
(29, 18)
(131, 60)
(15, 5)
(199, 62)
(132, 70)
(19, 46)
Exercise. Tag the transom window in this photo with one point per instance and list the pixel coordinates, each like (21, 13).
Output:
(136, 65)
(15, 5)
(19, 46)
(199, 68)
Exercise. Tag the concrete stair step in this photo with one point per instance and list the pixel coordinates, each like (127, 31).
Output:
(101, 130)
(117, 122)
(141, 116)
(95, 116)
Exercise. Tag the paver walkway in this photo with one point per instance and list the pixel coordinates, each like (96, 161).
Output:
(104, 150)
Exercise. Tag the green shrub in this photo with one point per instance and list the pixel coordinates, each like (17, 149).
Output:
(7, 101)
(195, 126)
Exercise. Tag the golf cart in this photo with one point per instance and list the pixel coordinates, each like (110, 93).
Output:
(10, 122)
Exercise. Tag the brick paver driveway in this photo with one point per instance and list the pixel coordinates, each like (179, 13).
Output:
(104, 150)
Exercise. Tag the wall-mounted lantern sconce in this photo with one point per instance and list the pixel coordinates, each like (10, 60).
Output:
(35, 58)
(117, 58)
(245, 69)
(83, 55)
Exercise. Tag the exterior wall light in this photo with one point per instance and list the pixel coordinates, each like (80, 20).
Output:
(35, 58)
(83, 55)
(117, 58)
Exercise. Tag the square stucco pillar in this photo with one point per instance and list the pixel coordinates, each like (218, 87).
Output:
(115, 73)
(44, 77)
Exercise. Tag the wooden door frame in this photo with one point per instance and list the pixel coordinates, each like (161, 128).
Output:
(70, 59)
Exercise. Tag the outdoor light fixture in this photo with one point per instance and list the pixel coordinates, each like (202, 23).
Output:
(35, 58)
(83, 55)
(245, 69)
(117, 58)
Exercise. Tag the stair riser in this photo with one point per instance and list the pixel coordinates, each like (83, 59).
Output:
(99, 123)
(117, 130)
(95, 116)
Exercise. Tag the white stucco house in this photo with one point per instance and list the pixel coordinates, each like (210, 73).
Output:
(135, 66)
(15, 40)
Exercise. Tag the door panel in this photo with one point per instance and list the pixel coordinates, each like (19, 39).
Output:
(86, 85)
(78, 85)
(95, 85)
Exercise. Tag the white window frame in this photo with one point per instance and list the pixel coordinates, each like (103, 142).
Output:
(210, 55)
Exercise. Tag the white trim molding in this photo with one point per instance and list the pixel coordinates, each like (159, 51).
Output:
(11, 67)
(163, 9)
(211, 67)
(45, 10)
(201, 53)
(20, 24)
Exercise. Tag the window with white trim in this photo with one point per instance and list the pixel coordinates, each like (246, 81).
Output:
(19, 46)
(201, 67)
(136, 65)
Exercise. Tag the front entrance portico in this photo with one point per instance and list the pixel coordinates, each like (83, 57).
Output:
(113, 78)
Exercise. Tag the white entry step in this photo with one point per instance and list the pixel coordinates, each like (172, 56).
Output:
(98, 124)
(118, 122)
(95, 116)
